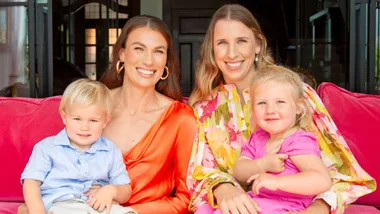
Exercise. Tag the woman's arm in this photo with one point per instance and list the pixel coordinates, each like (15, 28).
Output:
(32, 196)
(178, 203)
(204, 173)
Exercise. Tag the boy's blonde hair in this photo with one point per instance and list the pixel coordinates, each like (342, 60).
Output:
(86, 92)
(283, 75)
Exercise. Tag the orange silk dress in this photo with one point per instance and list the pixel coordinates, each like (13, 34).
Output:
(158, 164)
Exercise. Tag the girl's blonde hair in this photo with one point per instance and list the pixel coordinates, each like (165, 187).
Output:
(87, 92)
(282, 75)
(209, 75)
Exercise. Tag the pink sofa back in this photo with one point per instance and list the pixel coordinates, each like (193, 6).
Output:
(24, 122)
(357, 117)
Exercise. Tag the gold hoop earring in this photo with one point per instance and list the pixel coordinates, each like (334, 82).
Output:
(167, 73)
(118, 67)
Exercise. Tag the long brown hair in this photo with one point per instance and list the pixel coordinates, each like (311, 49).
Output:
(208, 74)
(170, 86)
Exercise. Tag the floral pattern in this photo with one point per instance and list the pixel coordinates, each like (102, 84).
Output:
(224, 126)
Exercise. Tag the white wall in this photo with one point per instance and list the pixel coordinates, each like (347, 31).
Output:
(151, 7)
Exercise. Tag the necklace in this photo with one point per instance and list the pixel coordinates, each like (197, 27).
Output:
(133, 112)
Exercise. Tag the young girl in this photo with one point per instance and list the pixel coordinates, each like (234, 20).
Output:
(281, 158)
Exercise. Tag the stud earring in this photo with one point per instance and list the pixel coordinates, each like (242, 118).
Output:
(256, 58)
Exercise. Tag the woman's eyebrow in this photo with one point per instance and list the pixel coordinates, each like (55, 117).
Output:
(141, 44)
(243, 37)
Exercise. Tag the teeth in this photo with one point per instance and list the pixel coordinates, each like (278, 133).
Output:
(145, 71)
(235, 64)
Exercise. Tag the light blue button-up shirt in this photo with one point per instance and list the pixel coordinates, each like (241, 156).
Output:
(67, 173)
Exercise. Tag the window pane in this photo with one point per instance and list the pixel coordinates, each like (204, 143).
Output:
(112, 40)
(90, 54)
(112, 14)
(14, 52)
(91, 11)
(91, 36)
(123, 2)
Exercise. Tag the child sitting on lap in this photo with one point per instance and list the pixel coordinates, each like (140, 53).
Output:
(281, 157)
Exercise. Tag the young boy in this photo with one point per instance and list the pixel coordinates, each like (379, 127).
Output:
(63, 168)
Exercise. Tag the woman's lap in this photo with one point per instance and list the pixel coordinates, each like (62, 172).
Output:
(206, 209)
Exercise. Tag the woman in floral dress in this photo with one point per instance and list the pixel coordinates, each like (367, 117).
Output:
(233, 49)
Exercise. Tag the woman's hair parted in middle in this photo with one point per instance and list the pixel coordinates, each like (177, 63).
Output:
(282, 75)
(169, 87)
(208, 74)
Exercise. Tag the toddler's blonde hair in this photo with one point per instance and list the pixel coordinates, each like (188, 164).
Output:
(87, 92)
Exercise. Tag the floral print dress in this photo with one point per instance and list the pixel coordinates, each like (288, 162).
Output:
(224, 126)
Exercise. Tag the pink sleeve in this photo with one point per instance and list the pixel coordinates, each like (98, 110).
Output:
(302, 143)
(254, 142)
(248, 150)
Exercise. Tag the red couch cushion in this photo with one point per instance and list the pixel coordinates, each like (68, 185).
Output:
(357, 117)
(362, 209)
(24, 122)
(9, 207)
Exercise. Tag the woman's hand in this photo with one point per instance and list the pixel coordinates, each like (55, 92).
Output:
(233, 200)
(263, 180)
(103, 198)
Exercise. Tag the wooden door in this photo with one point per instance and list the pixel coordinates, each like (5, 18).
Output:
(188, 22)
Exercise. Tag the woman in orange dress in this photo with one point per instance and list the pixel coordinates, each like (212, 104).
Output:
(150, 124)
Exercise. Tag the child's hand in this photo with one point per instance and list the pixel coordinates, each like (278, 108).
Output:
(263, 180)
(274, 162)
(103, 198)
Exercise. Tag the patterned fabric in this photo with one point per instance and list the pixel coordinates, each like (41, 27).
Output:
(224, 126)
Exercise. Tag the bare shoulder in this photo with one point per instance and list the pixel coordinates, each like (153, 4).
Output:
(181, 107)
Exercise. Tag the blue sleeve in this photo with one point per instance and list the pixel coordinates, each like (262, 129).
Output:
(118, 174)
(39, 164)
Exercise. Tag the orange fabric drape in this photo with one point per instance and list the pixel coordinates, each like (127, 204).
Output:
(158, 163)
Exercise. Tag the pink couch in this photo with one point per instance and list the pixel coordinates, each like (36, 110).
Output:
(26, 121)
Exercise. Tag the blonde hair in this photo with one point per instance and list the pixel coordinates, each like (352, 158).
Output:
(86, 92)
(209, 75)
(282, 75)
